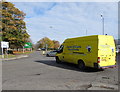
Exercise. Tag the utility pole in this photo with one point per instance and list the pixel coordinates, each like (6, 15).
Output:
(102, 23)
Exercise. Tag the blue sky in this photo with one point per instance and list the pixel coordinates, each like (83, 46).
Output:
(61, 20)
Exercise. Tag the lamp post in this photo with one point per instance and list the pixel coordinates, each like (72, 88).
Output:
(102, 23)
(86, 32)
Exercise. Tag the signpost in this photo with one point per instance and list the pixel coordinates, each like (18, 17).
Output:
(4, 45)
(28, 45)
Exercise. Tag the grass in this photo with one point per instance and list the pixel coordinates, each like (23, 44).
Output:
(8, 56)
(16, 54)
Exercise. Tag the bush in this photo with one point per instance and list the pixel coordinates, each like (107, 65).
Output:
(9, 52)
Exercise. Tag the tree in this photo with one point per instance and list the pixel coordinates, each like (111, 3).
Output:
(46, 43)
(56, 44)
(51, 44)
(13, 27)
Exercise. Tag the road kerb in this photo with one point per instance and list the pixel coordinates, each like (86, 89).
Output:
(18, 57)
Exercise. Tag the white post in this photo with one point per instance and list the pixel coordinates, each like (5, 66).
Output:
(7, 52)
(2, 53)
(23, 49)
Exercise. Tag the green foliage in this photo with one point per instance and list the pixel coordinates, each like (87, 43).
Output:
(50, 44)
(45, 41)
(56, 44)
(13, 27)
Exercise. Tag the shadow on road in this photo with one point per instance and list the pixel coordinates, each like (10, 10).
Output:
(68, 66)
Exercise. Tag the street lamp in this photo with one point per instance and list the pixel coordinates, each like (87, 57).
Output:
(102, 22)
(86, 32)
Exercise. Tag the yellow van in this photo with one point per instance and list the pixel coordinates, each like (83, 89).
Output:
(97, 51)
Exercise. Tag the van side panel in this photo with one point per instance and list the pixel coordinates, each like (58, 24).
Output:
(77, 49)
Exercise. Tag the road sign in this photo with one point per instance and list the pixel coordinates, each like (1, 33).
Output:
(4, 44)
(28, 45)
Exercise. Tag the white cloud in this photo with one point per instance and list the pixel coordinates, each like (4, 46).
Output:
(63, 0)
(64, 20)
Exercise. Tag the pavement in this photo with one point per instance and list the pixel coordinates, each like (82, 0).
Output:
(38, 72)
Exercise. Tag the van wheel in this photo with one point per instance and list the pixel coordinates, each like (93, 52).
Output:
(57, 60)
(81, 65)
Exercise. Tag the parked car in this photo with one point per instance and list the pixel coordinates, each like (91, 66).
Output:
(117, 50)
(43, 49)
(51, 54)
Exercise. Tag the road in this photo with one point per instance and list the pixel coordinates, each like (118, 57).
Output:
(38, 72)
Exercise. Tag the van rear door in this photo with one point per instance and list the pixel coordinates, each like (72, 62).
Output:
(106, 51)
(106, 54)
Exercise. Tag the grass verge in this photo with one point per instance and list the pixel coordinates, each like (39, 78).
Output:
(16, 54)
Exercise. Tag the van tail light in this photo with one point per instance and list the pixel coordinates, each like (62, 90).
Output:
(98, 60)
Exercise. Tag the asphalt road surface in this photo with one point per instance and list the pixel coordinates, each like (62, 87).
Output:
(38, 72)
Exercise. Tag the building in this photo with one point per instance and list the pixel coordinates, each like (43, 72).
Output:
(117, 44)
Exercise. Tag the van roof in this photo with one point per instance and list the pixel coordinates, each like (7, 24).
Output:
(90, 36)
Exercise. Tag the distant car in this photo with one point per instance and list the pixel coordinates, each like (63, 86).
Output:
(51, 54)
(39, 49)
(43, 49)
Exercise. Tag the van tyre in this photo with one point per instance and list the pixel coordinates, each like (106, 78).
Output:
(81, 65)
(58, 60)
